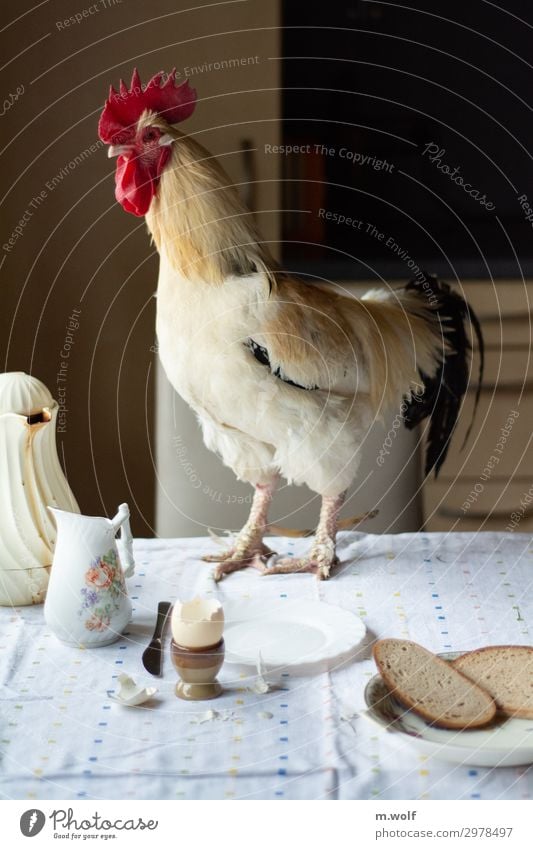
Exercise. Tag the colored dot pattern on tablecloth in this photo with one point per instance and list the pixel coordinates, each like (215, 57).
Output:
(436, 602)
(99, 740)
(109, 720)
(400, 613)
(423, 777)
(50, 736)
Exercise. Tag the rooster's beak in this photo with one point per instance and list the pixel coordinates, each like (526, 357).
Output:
(118, 150)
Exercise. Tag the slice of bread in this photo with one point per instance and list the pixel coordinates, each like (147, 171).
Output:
(432, 687)
(506, 673)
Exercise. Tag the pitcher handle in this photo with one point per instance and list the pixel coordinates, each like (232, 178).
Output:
(122, 522)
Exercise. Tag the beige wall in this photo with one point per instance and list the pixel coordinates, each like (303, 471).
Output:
(78, 249)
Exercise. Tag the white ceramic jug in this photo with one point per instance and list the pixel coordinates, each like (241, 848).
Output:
(87, 602)
(31, 477)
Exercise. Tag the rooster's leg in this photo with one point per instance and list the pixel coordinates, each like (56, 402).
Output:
(249, 548)
(322, 555)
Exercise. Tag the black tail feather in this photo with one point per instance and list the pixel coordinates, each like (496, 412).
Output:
(443, 393)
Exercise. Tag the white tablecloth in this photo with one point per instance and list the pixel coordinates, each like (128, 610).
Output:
(62, 737)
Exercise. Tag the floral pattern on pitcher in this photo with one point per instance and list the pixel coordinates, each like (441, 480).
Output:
(101, 596)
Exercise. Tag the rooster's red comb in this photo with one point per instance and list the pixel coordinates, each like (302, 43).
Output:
(124, 107)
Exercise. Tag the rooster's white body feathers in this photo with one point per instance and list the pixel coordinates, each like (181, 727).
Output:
(259, 424)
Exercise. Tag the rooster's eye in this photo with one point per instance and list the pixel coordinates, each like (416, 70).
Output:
(150, 135)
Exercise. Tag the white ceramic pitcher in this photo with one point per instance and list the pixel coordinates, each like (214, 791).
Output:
(31, 477)
(87, 602)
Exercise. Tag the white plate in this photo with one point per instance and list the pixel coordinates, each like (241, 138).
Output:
(305, 635)
(507, 743)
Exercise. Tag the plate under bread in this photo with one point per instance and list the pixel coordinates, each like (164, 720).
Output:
(506, 742)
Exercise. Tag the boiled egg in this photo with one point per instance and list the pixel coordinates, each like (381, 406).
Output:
(197, 624)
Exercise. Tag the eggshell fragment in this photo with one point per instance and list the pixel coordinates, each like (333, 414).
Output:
(130, 694)
(198, 623)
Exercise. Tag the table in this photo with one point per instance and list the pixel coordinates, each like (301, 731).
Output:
(64, 738)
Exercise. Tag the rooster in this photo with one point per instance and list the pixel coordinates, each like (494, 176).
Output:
(285, 378)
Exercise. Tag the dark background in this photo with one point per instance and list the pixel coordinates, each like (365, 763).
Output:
(385, 80)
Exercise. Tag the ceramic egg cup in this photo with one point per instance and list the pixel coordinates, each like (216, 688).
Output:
(198, 669)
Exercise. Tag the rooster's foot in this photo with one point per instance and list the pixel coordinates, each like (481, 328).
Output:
(319, 562)
(239, 557)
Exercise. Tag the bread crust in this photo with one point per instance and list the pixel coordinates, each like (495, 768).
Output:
(519, 713)
(413, 705)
